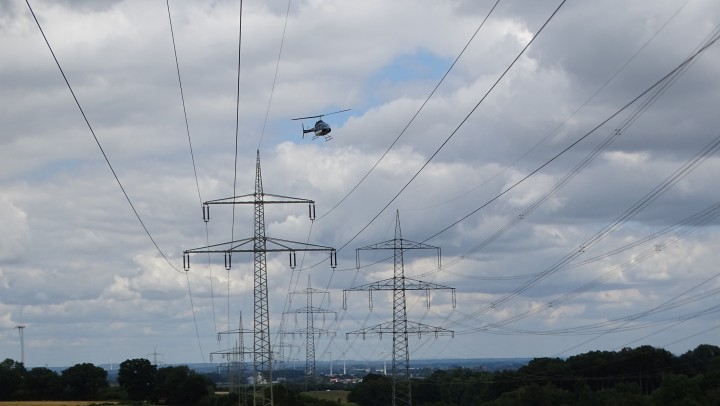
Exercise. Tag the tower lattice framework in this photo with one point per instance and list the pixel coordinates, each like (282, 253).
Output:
(400, 327)
(310, 331)
(235, 358)
(259, 245)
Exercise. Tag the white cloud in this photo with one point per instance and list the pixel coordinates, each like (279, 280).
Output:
(15, 239)
(75, 257)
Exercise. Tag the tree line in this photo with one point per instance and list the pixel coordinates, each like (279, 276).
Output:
(644, 376)
(138, 380)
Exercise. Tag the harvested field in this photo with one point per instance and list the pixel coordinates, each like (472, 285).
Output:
(58, 403)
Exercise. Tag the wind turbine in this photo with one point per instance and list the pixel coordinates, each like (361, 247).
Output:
(21, 329)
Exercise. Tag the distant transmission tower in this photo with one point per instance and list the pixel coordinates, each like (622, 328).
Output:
(280, 354)
(235, 358)
(260, 245)
(310, 331)
(155, 356)
(400, 327)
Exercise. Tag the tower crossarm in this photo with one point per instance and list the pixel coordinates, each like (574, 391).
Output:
(230, 351)
(233, 332)
(309, 291)
(258, 198)
(400, 245)
(270, 245)
(313, 310)
(393, 244)
(311, 331)
(243, 245)
(410, 284)
(246, 199)
(390, 284)
(412, 327)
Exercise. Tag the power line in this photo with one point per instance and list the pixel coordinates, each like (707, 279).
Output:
(277, 67)
(659, 87)
(462, 122)
(641, 204)
(563, 264)
(97, 141)
(192, 307)
(415, 115)
(661, 82)
(237, 132)
(574, 113)
(628, 121)
(197, 183)
(702, 218)
(454, 132)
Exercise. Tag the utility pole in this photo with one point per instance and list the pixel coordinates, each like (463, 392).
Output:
(310, 330)
(400, 327)
(259, 245)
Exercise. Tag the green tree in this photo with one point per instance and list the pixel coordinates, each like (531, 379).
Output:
(12, 374)
(549, 370)
(648, 364)
(678, 389)
(84, 381)
(502, 382)
(42, 384)
(373, 390)
(137, 377)
(622, 394)
(702, 359)
(180, 386)
(596, 367)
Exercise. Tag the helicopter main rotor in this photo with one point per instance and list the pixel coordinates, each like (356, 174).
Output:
(321, 115)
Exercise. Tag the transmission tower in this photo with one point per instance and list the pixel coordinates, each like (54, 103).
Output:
(259, 245)
(400, 327)
(235, 357)
(155, 356)
(310, 331)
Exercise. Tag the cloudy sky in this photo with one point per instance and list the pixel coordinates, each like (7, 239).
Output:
(572, 185)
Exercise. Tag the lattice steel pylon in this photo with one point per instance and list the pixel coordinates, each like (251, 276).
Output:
(310, 331)
(260, 245)
(400, 327)
(235, 358)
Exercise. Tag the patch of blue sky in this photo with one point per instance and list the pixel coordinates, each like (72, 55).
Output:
(54, 169)
(417, 66)
(420, 66)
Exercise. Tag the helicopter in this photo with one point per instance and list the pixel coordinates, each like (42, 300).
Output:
(321, 128)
